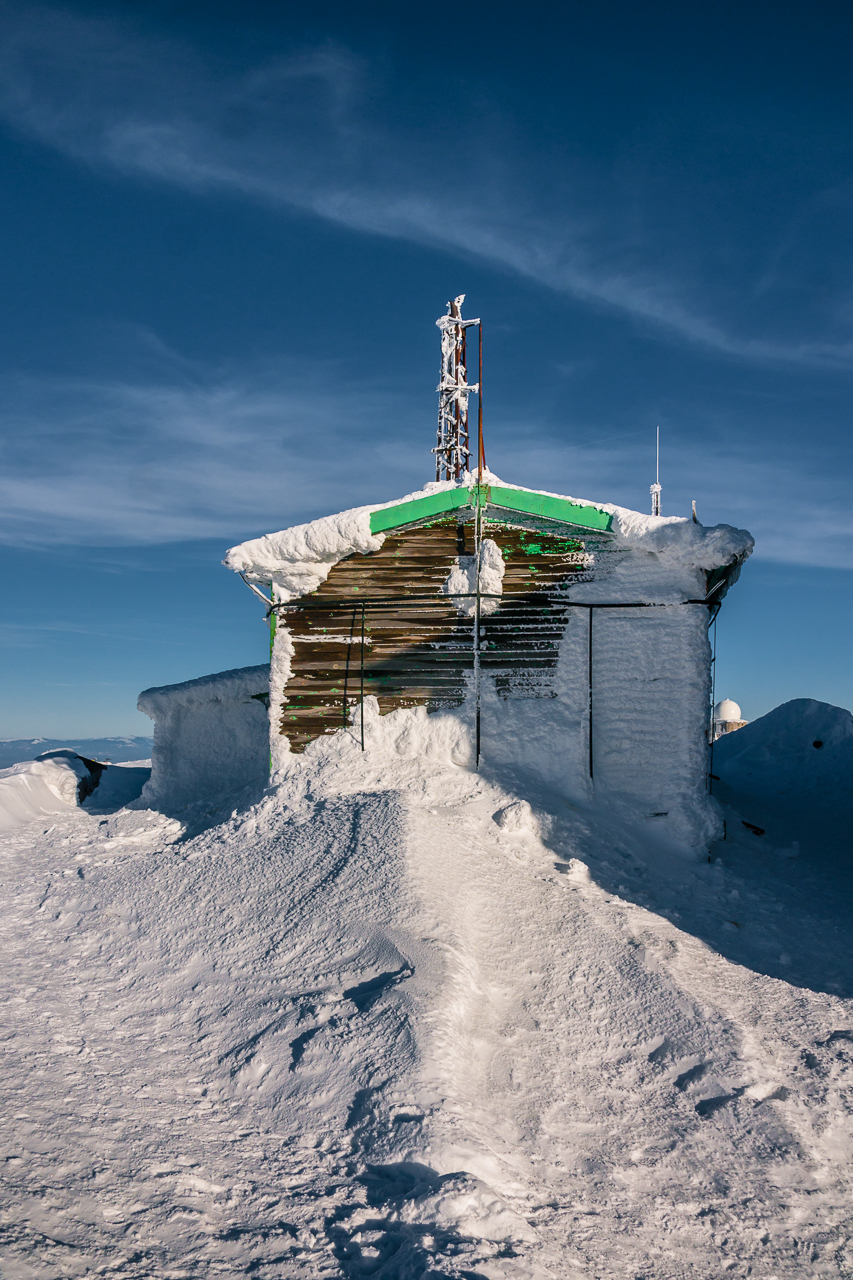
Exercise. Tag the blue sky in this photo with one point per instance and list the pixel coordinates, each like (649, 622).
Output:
(228, 231)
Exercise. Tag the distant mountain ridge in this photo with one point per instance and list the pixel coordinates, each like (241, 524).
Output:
(17, 750)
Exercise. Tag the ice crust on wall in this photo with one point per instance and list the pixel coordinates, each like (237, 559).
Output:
(210, 735)
(461, 582)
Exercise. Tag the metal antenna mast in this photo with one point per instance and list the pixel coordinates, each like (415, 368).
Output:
(656, 487)
(453, 450)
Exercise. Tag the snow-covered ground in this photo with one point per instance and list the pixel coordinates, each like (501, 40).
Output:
(401, 1019)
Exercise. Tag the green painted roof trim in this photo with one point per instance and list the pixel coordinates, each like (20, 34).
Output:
(435, 504)
(522, 500)
(542, 504)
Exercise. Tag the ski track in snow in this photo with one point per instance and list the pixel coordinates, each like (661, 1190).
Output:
(361, 1028)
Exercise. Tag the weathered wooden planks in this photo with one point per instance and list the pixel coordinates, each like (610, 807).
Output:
(420, 651)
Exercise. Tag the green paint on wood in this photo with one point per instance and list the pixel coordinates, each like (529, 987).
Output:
(522, 500)
(419, 509)
(542, 504)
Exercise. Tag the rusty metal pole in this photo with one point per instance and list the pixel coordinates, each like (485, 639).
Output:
(478, 533)
(362, 676)
(591, 611)
(481, 455)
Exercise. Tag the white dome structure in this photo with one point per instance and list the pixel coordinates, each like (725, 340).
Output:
(727, 710)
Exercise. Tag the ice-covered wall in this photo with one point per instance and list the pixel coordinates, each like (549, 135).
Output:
(650, 698)
(651, 678)
(210, 735)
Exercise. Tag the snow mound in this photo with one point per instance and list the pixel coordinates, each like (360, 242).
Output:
(791, 771)
(801, 747)
(60, 781)
(38, 788)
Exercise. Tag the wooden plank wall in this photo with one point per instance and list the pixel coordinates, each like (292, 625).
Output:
(420, 651)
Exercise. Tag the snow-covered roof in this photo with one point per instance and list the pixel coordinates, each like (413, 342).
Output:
(297, 560)
(225, 686)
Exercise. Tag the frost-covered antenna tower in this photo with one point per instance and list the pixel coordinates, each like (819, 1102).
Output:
(655, 488)
(453, 451)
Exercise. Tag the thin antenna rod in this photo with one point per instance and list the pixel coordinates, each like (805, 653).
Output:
(655, 489)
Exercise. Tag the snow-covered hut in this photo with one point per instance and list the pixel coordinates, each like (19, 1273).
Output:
(564, 638)
(590, 667)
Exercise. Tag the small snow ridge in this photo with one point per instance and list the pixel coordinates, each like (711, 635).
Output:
(516, 818)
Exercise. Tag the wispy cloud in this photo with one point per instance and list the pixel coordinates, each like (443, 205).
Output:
(297, 132)
(99, 462)
(202, 453)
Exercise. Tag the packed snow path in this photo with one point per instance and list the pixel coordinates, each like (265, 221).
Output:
(395, 1020)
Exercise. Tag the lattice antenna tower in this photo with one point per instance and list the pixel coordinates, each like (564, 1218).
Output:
(656, 487)
(453, 449)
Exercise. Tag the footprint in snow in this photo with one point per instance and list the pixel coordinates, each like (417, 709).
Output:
(844, 1034)
(365, 994)
(656, 1049)
(707, 1106)
(690, 1075)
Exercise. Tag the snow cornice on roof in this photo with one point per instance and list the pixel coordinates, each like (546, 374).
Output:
(296, 560)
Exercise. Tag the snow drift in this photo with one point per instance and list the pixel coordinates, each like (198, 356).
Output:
(61, 780)
(38, 788)
(401, 1019)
